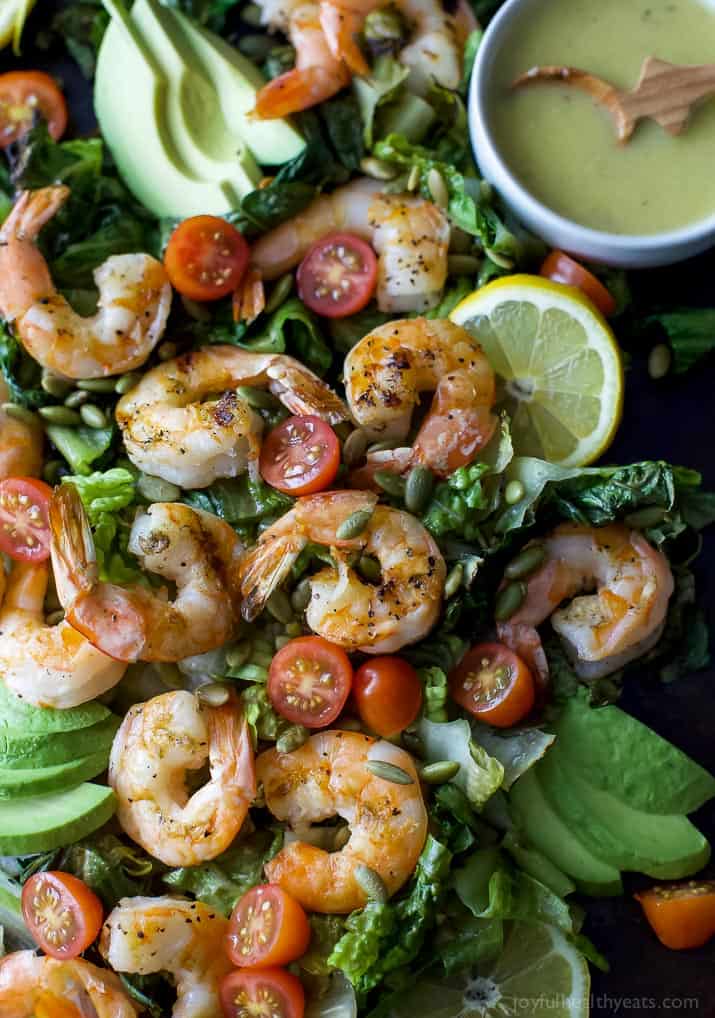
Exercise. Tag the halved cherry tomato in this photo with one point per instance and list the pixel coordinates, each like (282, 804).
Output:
(309, 681)
(262, 993)
(300, 456)
(63, 915)
(23, 94)
(563, 269)
(24, 518)
(388, 694)
(682, 915)
(494, 684)
(268, 927)
(337, 276)
(205, 258)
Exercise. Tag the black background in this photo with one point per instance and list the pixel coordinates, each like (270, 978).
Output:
(673, 420)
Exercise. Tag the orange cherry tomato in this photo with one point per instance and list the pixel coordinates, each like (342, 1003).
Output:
(682, 915)
(262, 993)
(206, 258)
(63, 915)
(493, 684)
(562, 269)
(388, 694)
(268, 927)
(24, 519)
(23, 94)
(300, 456)
(309, 681)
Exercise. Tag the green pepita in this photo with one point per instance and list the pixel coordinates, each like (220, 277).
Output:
(255, 47)
(354, 448)
(414, 178)
(76, 399)
(514, 492)
(97, 384)
(371, 883)
(526, 562)
(462, 265)
(659, 361)
(279, 606)
(126, 382)
(509, 600)
(92, 416)
(369, 568)
(62, 415)
(54, 618)
(354, 524)
(165, 351)
(238, 654)
(51, 471)
(437, 188)
(20, 413)
(54, 385)
(251, 14)
(300, 598)
(418, 488)
(156, 489)
(214, 694)
(439, 772)
(259, 399)
(293, 738)
(453, 581)
(386, 445)
(393, 484)
(377, 169)
(389, 772)
(279, 293)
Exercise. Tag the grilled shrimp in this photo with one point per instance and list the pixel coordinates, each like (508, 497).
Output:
(388, 369)
(376, 619)
(601, 631)
(20, 443)
(171, 433)
(48, 666)
(157, 743)
(194, 550)
(328, 776)
(410, 235)
(134, 300)
(32, 986)
(184, 938)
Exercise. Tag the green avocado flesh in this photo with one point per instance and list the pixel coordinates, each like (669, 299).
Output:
(664, 846)
(544, 829)
(16, 713)
(21, 749)
(21, 782)
(49, 821)
(171, 100)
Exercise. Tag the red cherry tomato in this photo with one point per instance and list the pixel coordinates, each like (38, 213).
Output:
(337, 277)
(309, 681)
(23, 94)
(24, 519)
(268, 927)
(388, 694)
(206, 258)
(563, 269)
(262, 993)
(494, 684)
(63, 915)
(300, 456)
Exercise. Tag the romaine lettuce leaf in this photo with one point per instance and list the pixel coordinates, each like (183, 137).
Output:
(103, 495)
(479, 775)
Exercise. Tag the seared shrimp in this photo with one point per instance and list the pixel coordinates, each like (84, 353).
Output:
(20, 443)
(184, 938)
(32, 986)
(171, 433)
(328, 776)
(388, 369)
(410, 235)
(603, 631)
(157, 743)
(48, 666)
(134, 300)
(376, 619)
(194, 550)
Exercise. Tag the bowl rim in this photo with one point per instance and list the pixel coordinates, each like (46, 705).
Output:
(506, 181)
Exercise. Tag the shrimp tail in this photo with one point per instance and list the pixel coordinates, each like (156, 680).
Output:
(302, 392)
(74, 559)
(264, 569)
(231, 751)
(341, 28)
(32, 210)
(296, 90)
(525, 641)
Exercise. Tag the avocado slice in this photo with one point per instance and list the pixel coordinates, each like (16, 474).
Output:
(538, 866)
(543, 828)
(15, 784)
(616, 753)
(236, 81)
(161, 120)
(49, 821)
(663, 846)
(21, 750)
(16, 713)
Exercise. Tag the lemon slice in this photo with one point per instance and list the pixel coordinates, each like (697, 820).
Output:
(558, 366)
(12, 18)
(538, 972)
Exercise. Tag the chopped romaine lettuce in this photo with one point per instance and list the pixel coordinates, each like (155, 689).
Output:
(479, 775)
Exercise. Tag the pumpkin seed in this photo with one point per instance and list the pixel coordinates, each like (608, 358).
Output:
(97, 384)
(393, 484)
(54, 618)
(255, 47)
(418, 488)
(156, 489)
(499, 259)
(453, 581)
(413, 178)
(20, 413)
(279, 606)
(377, 169)
(509, 600)
(293, 738)
(371, 883)
(439, 772)
(526, 562)
(350, 725)
(437, 188)
(389, 772)
(214, 694)
(238, 654)
(251, 14)
(280, 291)
(354, 447)
(293, 629)
(92, 416)
(354, 524)
(61, 415)
(386, 445)
(76, 399)
(51, 471)
(300, 598)
(54, 385)
(659, 361)
(165, 351)
(369, 568)
(126, 382)
(514, 492)
(462, 265)
(259, 399)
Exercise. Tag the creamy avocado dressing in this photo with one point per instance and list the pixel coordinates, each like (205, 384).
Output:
(562, 146)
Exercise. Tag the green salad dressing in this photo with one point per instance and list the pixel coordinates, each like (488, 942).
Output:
(562, 146)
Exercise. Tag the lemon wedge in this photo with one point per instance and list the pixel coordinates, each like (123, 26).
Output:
(557, 362)
(13, 14)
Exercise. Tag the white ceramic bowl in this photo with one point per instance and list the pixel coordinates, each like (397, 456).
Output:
(627, 250)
